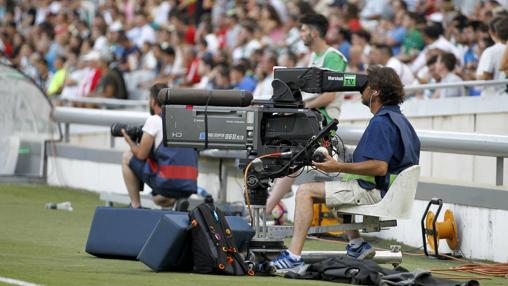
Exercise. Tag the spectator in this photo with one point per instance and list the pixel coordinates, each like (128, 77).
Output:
(412, 43)
(501, 28)
(271, 26)
(245, 42)
(429, 75)
(444, 68)
(142, 31)
(43, 74)
(240, 80)
(352, 17)
(313, 32)
(57, 81)
(222, 80)
(264, 72)
(111, 84)
(229, 31)
(382, 55)
(206, 68)
(362, 40)
(389, 33)
(432, 36)
(491, 59)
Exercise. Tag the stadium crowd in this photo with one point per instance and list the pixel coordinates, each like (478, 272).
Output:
(118, 49)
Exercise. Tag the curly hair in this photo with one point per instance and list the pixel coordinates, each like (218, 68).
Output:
(387, 81)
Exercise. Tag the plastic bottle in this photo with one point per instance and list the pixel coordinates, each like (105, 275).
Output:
(202, 192)
(66, 206)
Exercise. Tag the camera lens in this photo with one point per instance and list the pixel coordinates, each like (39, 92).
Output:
(116, 129)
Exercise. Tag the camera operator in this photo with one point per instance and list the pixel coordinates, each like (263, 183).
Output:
(170, 172)
(313, 32)
(388, 146)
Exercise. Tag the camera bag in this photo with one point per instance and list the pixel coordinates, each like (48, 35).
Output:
(213, 248)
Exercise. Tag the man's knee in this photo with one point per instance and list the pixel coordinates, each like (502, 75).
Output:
(314, 191)
(304, 192)
(126, 158)
(162, 201)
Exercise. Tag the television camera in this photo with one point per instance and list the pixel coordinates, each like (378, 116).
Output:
(279, 135)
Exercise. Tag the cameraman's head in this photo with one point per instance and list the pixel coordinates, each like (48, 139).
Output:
(384, 88)
(155, 107)
(313, 28)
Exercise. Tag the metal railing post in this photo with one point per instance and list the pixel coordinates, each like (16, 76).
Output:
(67, 132)
(499, 171)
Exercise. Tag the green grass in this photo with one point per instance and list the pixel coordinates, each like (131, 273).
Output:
(47, 247)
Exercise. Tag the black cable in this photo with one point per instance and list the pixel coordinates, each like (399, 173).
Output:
(343, 147)
(301, 171)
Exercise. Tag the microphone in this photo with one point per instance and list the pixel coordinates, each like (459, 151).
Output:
(190, 96)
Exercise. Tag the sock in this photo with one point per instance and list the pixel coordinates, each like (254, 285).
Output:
(294, 256)
(356, 242)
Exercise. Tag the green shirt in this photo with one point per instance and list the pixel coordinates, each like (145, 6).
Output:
(333, 60)
(412, 41)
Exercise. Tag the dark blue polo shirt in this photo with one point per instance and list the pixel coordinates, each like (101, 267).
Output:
(389, 137)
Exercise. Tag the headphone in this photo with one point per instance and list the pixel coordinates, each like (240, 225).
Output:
(374, 92)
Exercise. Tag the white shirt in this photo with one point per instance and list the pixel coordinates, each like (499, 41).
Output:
(264, 89)
(451, 91)
(490, 60)
(140, 35)
(246, 50)
(403, 71)
(161, 12)
(153, 126)
(442, 44)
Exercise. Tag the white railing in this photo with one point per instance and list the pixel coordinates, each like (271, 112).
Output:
(434, 141)
(127, 103)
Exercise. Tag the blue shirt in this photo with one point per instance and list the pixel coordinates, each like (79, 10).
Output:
(389, 137)
(247, 83)
(398, 35)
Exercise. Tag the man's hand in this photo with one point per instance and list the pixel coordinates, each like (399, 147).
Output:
(366, 168)
(128, 139)
(329, 165)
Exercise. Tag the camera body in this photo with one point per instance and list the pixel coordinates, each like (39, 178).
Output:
(134, 132)
(279, 136)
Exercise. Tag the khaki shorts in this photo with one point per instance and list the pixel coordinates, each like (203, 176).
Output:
(349, 193)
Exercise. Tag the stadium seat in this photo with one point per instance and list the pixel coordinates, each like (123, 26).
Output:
(168, 246)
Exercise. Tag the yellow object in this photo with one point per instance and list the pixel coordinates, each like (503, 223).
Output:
(446, 229)
(323, 217)
(57, 81)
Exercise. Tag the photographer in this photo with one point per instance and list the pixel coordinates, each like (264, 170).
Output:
(170, 172)
(388, 146)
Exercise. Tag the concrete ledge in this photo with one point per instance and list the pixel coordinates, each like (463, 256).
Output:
(455, 192)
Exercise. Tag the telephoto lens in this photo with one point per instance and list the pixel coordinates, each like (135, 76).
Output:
(134, 132)
(319, 154)
(116, 129)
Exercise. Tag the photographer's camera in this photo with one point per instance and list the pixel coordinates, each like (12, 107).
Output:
(134, 132)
